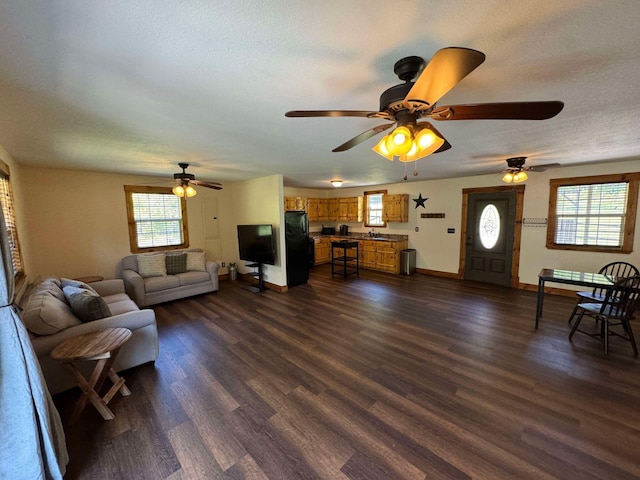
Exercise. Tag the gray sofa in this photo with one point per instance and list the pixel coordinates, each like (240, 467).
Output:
(50, 320)
(162, 287)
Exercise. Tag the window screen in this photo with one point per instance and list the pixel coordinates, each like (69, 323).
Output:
(591, 215)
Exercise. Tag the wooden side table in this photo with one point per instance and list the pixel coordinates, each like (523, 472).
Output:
(103, 347)
(90, 279)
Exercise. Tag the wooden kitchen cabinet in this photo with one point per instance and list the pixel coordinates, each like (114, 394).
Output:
(295, 203)
(369, 254)
(322, 250)
(383, 256)
(355, 209)
(333, 209)
(312, 209)
(343, 209)
(387, 259)
(323, 209)
(395, 207)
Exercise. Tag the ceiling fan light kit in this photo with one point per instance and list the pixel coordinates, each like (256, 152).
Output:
(407, 102)
(516, 177)
(409, 143)
(181, 190)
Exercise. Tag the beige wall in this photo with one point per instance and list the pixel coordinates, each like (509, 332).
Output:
(73, 223)
(438, 250)
(260, 201)
(76, 222)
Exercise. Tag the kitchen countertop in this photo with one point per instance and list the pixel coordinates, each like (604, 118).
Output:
(362, 236)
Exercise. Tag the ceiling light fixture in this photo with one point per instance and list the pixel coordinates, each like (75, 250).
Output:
(409, 142)
(184, 189)
(336, 183)
(517, 177)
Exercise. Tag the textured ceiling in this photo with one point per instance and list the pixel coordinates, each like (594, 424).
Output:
(136, 87)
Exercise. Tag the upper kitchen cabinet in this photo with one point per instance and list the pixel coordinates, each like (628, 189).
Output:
(295, 203)
(395, 207)
(350, 209)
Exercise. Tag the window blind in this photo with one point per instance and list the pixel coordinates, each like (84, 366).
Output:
(8, 212)
(592, 215)
(158, 219)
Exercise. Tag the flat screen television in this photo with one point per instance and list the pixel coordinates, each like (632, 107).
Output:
(256, 243)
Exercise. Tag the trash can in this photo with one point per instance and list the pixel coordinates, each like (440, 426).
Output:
(408, 263)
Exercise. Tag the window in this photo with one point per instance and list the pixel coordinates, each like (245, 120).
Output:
(489, 226)
(157, 219)
(373, 205)
(593, 213)
(8, 212)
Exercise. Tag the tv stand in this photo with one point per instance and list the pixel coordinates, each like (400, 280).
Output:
(259, 275)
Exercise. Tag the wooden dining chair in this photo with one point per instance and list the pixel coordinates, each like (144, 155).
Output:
(617, 309)
(616, 270)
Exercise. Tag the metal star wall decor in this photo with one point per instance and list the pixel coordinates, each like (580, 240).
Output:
(420, 201)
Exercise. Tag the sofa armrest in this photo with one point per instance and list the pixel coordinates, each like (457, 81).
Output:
(212, 267)
(134, 286)
(131, 320)
(108, 287)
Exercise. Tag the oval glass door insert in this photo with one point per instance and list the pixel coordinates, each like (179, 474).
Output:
(489, 226)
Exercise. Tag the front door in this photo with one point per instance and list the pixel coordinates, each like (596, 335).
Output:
(489, 237)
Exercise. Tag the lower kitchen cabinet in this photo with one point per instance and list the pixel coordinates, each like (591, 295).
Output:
(381, 255)
(322, 250)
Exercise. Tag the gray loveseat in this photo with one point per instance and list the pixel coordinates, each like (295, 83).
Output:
(50, 320)
(149, 279)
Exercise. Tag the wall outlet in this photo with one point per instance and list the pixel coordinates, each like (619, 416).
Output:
(223, 264)
(417, 229)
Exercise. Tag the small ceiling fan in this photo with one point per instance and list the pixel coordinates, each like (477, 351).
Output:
(404, 104)
(185, 181)
(516, 172)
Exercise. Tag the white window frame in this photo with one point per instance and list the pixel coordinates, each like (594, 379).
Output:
(130, 190)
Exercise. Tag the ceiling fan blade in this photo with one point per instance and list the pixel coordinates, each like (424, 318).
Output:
(499, 111)
(329, 113)
(214, 185)
(362, 137)
(543, 167)
(447, 67)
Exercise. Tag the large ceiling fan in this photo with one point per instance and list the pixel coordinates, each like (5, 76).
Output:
(185, 181)
(406, 103)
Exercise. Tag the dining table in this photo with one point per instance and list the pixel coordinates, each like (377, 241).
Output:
(569, 277)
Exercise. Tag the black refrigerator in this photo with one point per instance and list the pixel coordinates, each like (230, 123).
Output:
(296, 232)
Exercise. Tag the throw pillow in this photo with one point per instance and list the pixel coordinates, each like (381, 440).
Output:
(152, 265)
(64, 282)
(88, 307)
(196, 261)
(176, 263)
(70, 291)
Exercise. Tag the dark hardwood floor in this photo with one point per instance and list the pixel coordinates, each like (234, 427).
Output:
(381, 377)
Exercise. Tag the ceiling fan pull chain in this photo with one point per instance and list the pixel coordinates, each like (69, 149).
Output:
(415, 168)
(405, 171)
